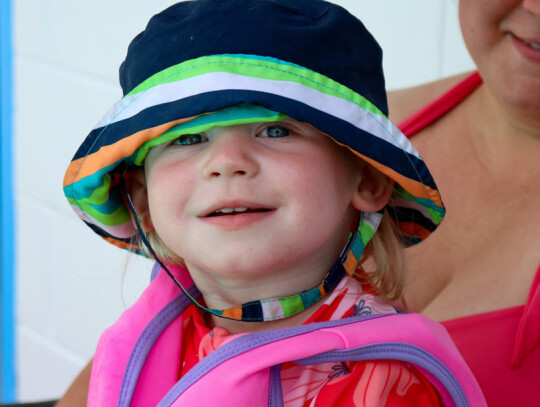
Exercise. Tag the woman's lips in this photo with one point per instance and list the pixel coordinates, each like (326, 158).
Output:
(530, 49)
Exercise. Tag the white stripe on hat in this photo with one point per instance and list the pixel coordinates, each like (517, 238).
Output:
(338, 107)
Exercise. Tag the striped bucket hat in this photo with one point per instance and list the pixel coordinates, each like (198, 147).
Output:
(204, 63)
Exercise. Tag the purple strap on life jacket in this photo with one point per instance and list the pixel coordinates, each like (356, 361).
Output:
(394, 351)
(243, 344)
(155, 271)
(146, 341)
(275, 395)
(449, 389)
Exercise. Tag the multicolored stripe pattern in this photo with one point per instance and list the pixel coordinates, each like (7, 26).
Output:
(180, 99)
(284, 307)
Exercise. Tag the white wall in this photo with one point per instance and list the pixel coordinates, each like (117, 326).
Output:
(67, 55)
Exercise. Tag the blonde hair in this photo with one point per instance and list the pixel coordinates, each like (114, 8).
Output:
(163, 253)
(382, 264)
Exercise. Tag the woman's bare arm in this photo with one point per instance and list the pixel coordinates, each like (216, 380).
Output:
(77, 394)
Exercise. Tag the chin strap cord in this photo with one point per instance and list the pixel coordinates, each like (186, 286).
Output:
(269, 309)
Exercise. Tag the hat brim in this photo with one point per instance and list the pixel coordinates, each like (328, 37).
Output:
(193, 88)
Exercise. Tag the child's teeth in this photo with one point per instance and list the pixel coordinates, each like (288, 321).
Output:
(231, 210)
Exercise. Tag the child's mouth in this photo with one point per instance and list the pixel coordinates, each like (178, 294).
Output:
(236, 211)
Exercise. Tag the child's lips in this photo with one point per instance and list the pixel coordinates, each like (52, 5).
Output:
(237, 219)
(235, 208)
(236, 211)
(235, 215)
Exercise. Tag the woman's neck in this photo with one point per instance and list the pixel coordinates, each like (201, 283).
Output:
(504, 118)
(503, 140)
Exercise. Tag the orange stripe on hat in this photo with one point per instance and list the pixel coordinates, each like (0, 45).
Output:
(120, 244)
(413, 187)
(415, 229)
(108, 155)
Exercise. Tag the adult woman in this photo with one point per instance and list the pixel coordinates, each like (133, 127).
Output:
(482, 141)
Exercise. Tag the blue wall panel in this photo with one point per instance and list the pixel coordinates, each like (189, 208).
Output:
(7, 223)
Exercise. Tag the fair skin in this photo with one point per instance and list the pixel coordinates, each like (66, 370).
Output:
(485, 156)
(295, 194)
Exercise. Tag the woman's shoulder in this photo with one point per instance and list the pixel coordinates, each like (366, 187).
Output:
(403, 103)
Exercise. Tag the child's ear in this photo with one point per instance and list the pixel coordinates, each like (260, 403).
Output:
(135, 181)
(373, 191)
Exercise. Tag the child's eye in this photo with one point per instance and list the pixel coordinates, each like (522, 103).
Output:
(190, 139)
(275, 131)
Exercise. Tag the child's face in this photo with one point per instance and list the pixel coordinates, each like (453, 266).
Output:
(255, 199)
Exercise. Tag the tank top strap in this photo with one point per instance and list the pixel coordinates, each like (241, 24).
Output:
(440, 106)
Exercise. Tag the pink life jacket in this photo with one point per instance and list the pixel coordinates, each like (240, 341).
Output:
(137, 359)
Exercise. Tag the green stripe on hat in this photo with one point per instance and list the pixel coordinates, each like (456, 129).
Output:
(236, 115)
(258, 67)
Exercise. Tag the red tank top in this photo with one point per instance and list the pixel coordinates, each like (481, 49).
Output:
(502, 347)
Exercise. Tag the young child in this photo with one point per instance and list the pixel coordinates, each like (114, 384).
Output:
(251, 157)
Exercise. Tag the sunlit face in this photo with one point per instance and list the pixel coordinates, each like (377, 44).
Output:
(248, 200)
(503, 37)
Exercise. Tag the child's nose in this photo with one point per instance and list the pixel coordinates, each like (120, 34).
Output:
(230, 155)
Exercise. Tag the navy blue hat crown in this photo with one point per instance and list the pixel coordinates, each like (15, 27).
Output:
(311, 33)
